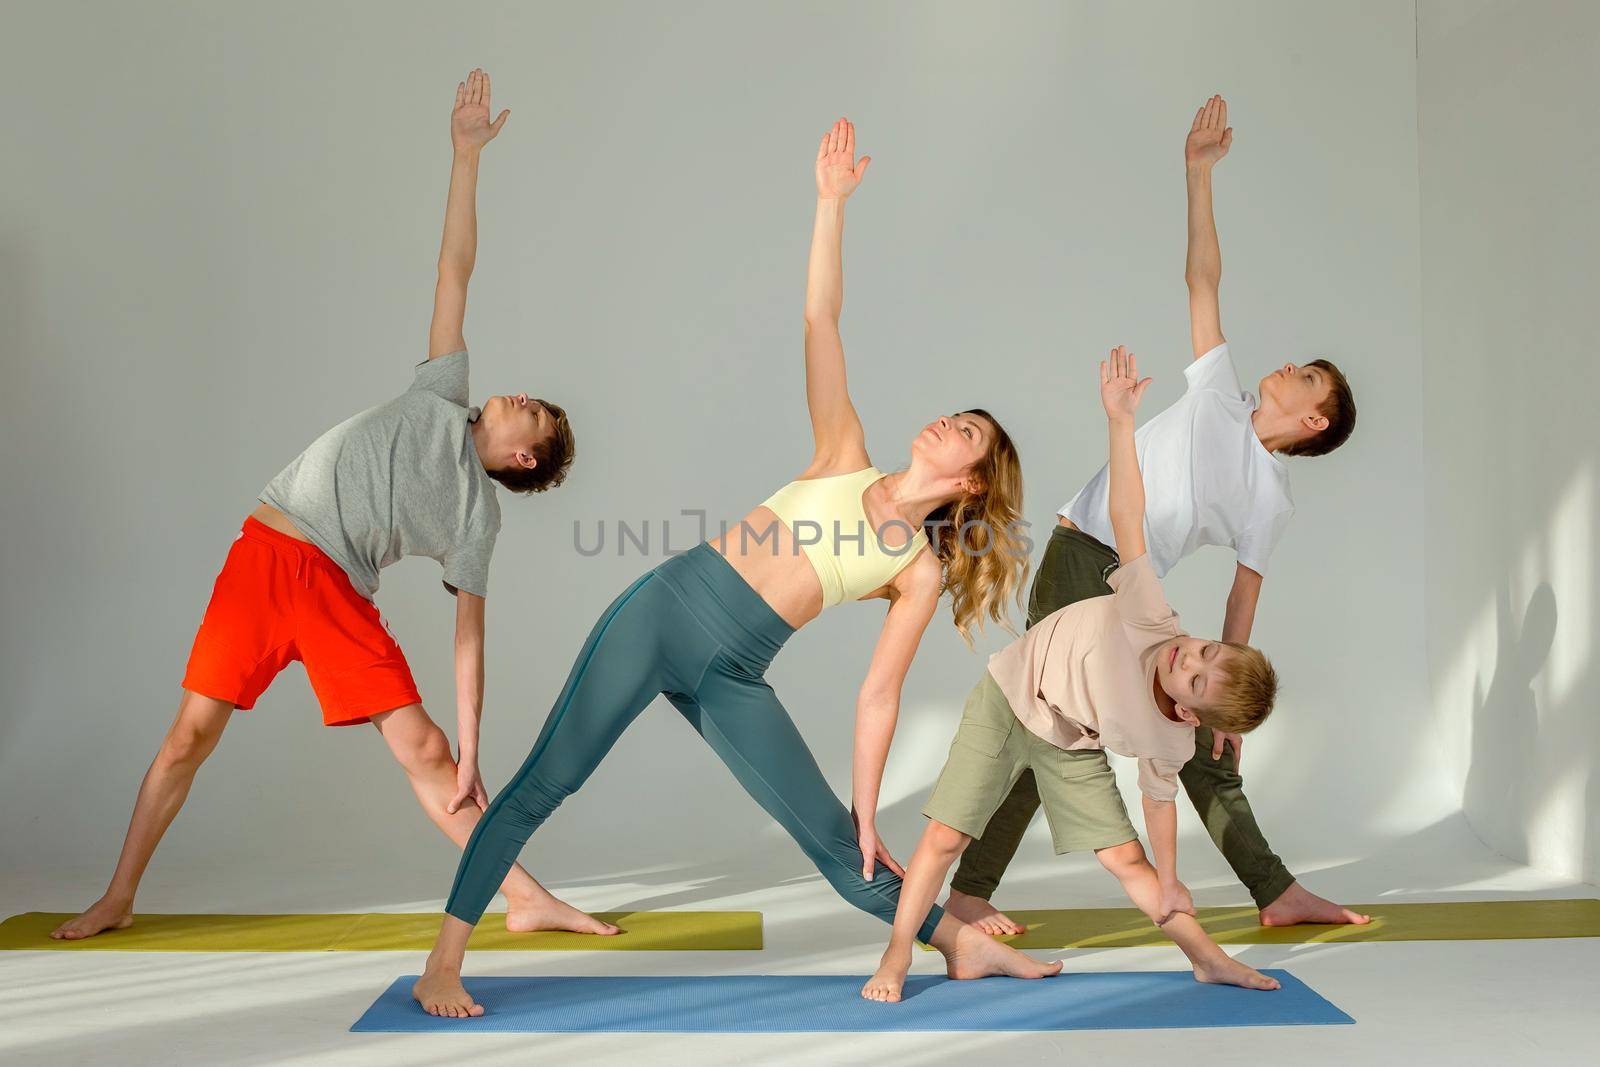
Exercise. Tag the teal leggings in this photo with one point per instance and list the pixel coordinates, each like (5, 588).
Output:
(695, 632)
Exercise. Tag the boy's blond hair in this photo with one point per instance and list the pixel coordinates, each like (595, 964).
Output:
(1249, 687)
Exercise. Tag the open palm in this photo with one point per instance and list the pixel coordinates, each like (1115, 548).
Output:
(838, 172)
(469, 122)
(1120, 386)
(1210, 136)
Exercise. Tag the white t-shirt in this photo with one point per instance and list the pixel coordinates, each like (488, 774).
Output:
(1208, 480)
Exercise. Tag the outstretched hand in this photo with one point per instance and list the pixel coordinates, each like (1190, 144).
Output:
(1121, 388)
(469, 122)
(838, 172)
(1210, 136)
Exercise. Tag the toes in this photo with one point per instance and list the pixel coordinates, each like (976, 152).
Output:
(475, 1011)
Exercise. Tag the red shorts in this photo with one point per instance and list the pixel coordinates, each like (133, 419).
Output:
(278, 600)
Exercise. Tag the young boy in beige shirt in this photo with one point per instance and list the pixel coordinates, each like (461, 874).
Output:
(1112, 672)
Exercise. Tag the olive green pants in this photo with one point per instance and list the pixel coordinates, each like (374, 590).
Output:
(1074, 568)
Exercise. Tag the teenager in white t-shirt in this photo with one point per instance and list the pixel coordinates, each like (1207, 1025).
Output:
(1213, 475)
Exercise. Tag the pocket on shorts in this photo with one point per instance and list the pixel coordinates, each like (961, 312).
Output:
(1080, 763)
(982, 738)
(986, 721)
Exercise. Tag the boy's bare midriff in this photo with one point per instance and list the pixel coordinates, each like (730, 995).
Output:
(272, 518)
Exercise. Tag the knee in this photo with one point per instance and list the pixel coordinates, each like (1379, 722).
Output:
(946, 843)
(185, 748)
(429, 750)
(1124, 859)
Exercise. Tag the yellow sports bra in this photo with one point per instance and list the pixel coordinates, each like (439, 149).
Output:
(827, 519)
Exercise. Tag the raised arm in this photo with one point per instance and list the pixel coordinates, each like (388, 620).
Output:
(840, 444)
(1120, 393)
(1209, 139)
(913, 596)
(470, 130)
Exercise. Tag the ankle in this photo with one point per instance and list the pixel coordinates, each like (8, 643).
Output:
(117, 898)
(435, 965)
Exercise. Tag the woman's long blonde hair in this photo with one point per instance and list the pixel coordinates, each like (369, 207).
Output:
(979, 539)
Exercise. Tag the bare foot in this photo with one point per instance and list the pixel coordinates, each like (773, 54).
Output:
(441, 993)
(977, 955)
(104, 914)
(1225, 970)
(975, 911)
(890, 978)
(1299, 905)
(548, 913)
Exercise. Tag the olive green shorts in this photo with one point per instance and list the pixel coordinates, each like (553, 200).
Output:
(991, 750)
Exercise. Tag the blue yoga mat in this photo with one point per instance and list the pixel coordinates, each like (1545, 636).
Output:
(1116, 1000)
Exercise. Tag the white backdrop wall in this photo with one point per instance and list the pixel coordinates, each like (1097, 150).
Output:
(218, 239)
(1510, 159)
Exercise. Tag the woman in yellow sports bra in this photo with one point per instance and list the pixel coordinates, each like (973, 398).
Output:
(702, 627)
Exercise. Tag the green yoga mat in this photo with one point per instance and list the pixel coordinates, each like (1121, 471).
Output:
(642, 931)
(1475, 920)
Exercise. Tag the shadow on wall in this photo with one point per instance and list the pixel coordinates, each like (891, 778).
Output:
(1500, 784)
(1531, 791)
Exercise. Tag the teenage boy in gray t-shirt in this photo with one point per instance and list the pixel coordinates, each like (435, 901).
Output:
(412, 477)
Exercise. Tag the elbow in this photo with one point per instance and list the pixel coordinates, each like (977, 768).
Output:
(1202, 281)
(821, 320)
(1127, 517)
(454, 272)
(877, 702)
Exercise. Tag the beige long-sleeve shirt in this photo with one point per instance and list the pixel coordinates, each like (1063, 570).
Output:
(1084, 676)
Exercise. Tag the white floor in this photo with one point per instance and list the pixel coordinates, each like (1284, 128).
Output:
(1414, 1003)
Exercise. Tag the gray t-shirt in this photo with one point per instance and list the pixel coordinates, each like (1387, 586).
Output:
(400, 479)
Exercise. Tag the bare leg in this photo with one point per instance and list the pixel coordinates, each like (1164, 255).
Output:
(1127, 861)
(423, 751)
(968, 951)
(938, 849)
(986, 860)
(193, 735)
(439, 990)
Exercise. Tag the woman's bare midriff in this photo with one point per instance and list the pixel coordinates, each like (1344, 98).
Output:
(1062, 520)
(764, 552)
(273, 519)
